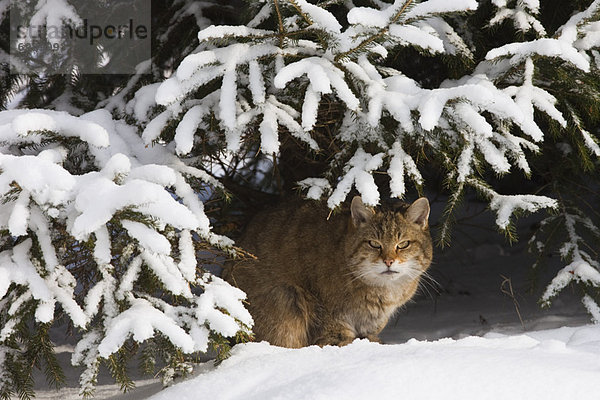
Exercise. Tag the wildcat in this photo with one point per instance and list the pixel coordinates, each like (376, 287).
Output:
(329, 281)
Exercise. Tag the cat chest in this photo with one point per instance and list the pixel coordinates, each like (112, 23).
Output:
(368, 318)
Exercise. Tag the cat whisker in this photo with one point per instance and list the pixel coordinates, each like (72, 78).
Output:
(428, 282)
(431, 280)
(356, 275)
(423, 288)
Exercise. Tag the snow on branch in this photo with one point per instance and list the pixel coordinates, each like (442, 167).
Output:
(592, 307)
(581, 30)
(506, 205)
(29, 126)
(140, 321)
(408, 35)
(527, 96)
(316, 187)
(523, 15)
(52, 13)
(254, 59)
(128, 205)
(403, 9)
(323, 77)
(546, 47)
(201, 68)
(430, 7)
(582, 268)
(359, 173)
(368, 16)
(453, 44)
(590, 141)
(402, 164)
(576, 271)
(318, 17)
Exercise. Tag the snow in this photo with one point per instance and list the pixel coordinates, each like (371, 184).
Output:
(187, 263)
(322, 75)
(492, 367)
(165, 269)
(440, 6)
(260, 16)
(125, 175)
(184, 133)
(142, 102)
(578, 270)
(359, 173)
(285, 116)
(401, 164)
(381, 18)
(319, 16)
(53, 13)
(544, 47)
(453, 43)
(148, 198)
(592, 307)
(227, 104)
(147, 237)
(523, 16)
(528, 95)
(218, 294)
(581, 268)
(19, 217)
(26, 122)
(20, 270)
(590, 142)
(409, 35)
(126, 284)
(506, 205)
(310, 107)
(257, 83)
(46, 181)
(269, 131)
(219, 32)
(316, 187)
(140, 321)
(155, 127)
(40, 225)
(568, 31)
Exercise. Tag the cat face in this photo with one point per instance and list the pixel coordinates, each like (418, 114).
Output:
(390, 247)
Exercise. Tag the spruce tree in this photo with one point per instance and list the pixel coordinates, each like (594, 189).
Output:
(113, 187)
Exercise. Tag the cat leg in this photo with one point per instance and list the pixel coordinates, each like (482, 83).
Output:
(336, 334)
(282, 317)
(281, 311)
(373, 338)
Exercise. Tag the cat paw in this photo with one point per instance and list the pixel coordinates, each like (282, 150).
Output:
(337, 340)
(374, 339)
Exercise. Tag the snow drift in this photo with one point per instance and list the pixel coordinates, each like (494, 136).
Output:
(555, 364)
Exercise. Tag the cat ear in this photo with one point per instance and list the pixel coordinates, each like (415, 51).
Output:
(360, 213)
(418, 212)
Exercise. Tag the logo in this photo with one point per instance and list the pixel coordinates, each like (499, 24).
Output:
(86, 38)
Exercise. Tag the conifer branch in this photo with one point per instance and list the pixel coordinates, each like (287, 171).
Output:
(365, 43)
(306, 17)
(280, 26)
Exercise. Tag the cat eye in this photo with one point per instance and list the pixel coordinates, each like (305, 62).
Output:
(403, 245)
(374, 244)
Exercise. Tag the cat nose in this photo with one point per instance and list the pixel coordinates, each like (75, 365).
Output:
(389, 262)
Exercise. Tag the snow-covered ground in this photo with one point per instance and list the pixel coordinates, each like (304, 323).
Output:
(462, 340)
(558, 364)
